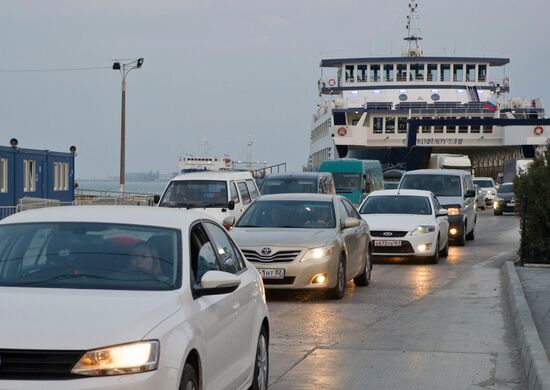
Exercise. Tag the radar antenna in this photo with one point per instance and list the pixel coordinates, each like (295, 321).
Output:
(414, 49)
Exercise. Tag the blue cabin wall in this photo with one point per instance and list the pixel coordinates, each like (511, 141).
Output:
(44, 183)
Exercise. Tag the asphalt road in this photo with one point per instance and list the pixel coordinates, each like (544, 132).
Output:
(417, 326)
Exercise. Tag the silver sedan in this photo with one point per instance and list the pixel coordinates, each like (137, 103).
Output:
(305, 241)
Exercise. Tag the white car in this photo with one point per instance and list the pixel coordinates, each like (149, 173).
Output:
(115, 297)
(487, 184)
(406, 223)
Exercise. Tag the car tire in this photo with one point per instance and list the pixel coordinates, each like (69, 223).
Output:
(261, 362)
(472, 235)
(435, 258)
(497, 212)
(189, 380)
(363, 279)
(337, 292)
(445, 251)
(461, 241)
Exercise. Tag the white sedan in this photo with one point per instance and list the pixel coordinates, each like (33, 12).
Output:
(406, 223)
(115, 297)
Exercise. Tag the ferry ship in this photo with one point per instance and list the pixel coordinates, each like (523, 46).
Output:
(367, 104)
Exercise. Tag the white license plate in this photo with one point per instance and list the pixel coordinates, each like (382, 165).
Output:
(387, 243)
(510, 204)
(266, 273)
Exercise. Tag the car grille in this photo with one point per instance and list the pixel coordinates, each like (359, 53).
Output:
(37, 364)
(405, 248)
(380, 233)
(285, 280)
(282, 256)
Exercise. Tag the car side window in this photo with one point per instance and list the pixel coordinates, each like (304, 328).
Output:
(252, 189)
(343, 213)
(203, 257)
(245, 196)
(352, 212)
(233, 194)
(437, 205)
(230, 261)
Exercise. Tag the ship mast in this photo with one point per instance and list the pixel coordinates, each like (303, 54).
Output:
(413, 49)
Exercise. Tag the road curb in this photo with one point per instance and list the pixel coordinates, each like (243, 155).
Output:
(533, 356)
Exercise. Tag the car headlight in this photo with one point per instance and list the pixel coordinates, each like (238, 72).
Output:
(423, 230)
(120, 359)
(317, 253)
(454, 210)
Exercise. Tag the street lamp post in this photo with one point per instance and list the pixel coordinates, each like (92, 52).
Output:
(124, 68)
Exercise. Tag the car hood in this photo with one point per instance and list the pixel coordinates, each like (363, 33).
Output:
(450, 200)
(282, 237)
(70, 319)
(505, 195)
(396, 222)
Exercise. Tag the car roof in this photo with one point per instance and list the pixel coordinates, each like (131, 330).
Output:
(401, 192)
(482, 178)
(297, 175)
(132, 215)
(453, 172)
(296, 196)
(214, 175)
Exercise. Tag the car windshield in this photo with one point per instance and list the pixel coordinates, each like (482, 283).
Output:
(506, 188)
(347, 181)
(289, 214)
(396, 204)
(440, 185)
(289, 185)
(484, 183)
(89, 256)
(195, 193)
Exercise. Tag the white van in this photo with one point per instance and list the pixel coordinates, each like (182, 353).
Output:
(450, 161)
(219, 194)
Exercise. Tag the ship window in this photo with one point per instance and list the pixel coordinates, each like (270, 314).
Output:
(438, 128)
(349, 73)
(353, 118)
(427, 129)
(462, 128)
(390, 124)
(377, 124)
(375, 73)
(388, 72)
(470, 72)
(417, 72)
(402, 72)
(362, 71)
(29, 179)
(3, 175)
(450, 129)
(432, 72)
(458, 72)
(402, 125)
(482, 73)
(488, 129)
(475, 128)
(339, 119)
(445, 72)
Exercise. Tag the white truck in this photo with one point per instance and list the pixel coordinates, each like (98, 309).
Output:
(514, 168)
(450, 161)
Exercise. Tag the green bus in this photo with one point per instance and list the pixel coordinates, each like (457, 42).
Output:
(354, 178)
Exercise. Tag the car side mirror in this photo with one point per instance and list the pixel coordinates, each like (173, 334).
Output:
(470, 194)
(156, 199)
(442, 213)
(216, 283)
(231, 205)
(228, 222)
(351, 223)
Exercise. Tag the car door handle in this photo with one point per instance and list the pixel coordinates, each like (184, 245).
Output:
(236, 306)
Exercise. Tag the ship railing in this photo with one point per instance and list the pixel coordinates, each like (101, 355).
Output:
(106, 193)
(261, 173)
(6, 211)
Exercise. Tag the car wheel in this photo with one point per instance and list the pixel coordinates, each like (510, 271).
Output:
(461, 241)
(189, 379)
(472, 235)
(261, 364)
(497, 212)
(435, 258)
(445, 251)
(363, 279)
(337, 292)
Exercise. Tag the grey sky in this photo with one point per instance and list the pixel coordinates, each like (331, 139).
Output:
(221, 69)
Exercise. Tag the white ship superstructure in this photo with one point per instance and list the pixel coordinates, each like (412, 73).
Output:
(366, 102)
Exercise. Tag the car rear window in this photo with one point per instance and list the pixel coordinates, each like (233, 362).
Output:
(397, 204)
(440, 185)
(89, 256)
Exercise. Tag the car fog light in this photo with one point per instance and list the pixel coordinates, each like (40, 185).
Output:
(453, 231)
(424, 247)
(319, 279)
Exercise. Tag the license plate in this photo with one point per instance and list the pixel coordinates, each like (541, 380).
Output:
(387, 243)
(510, 204)
(266, 273)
